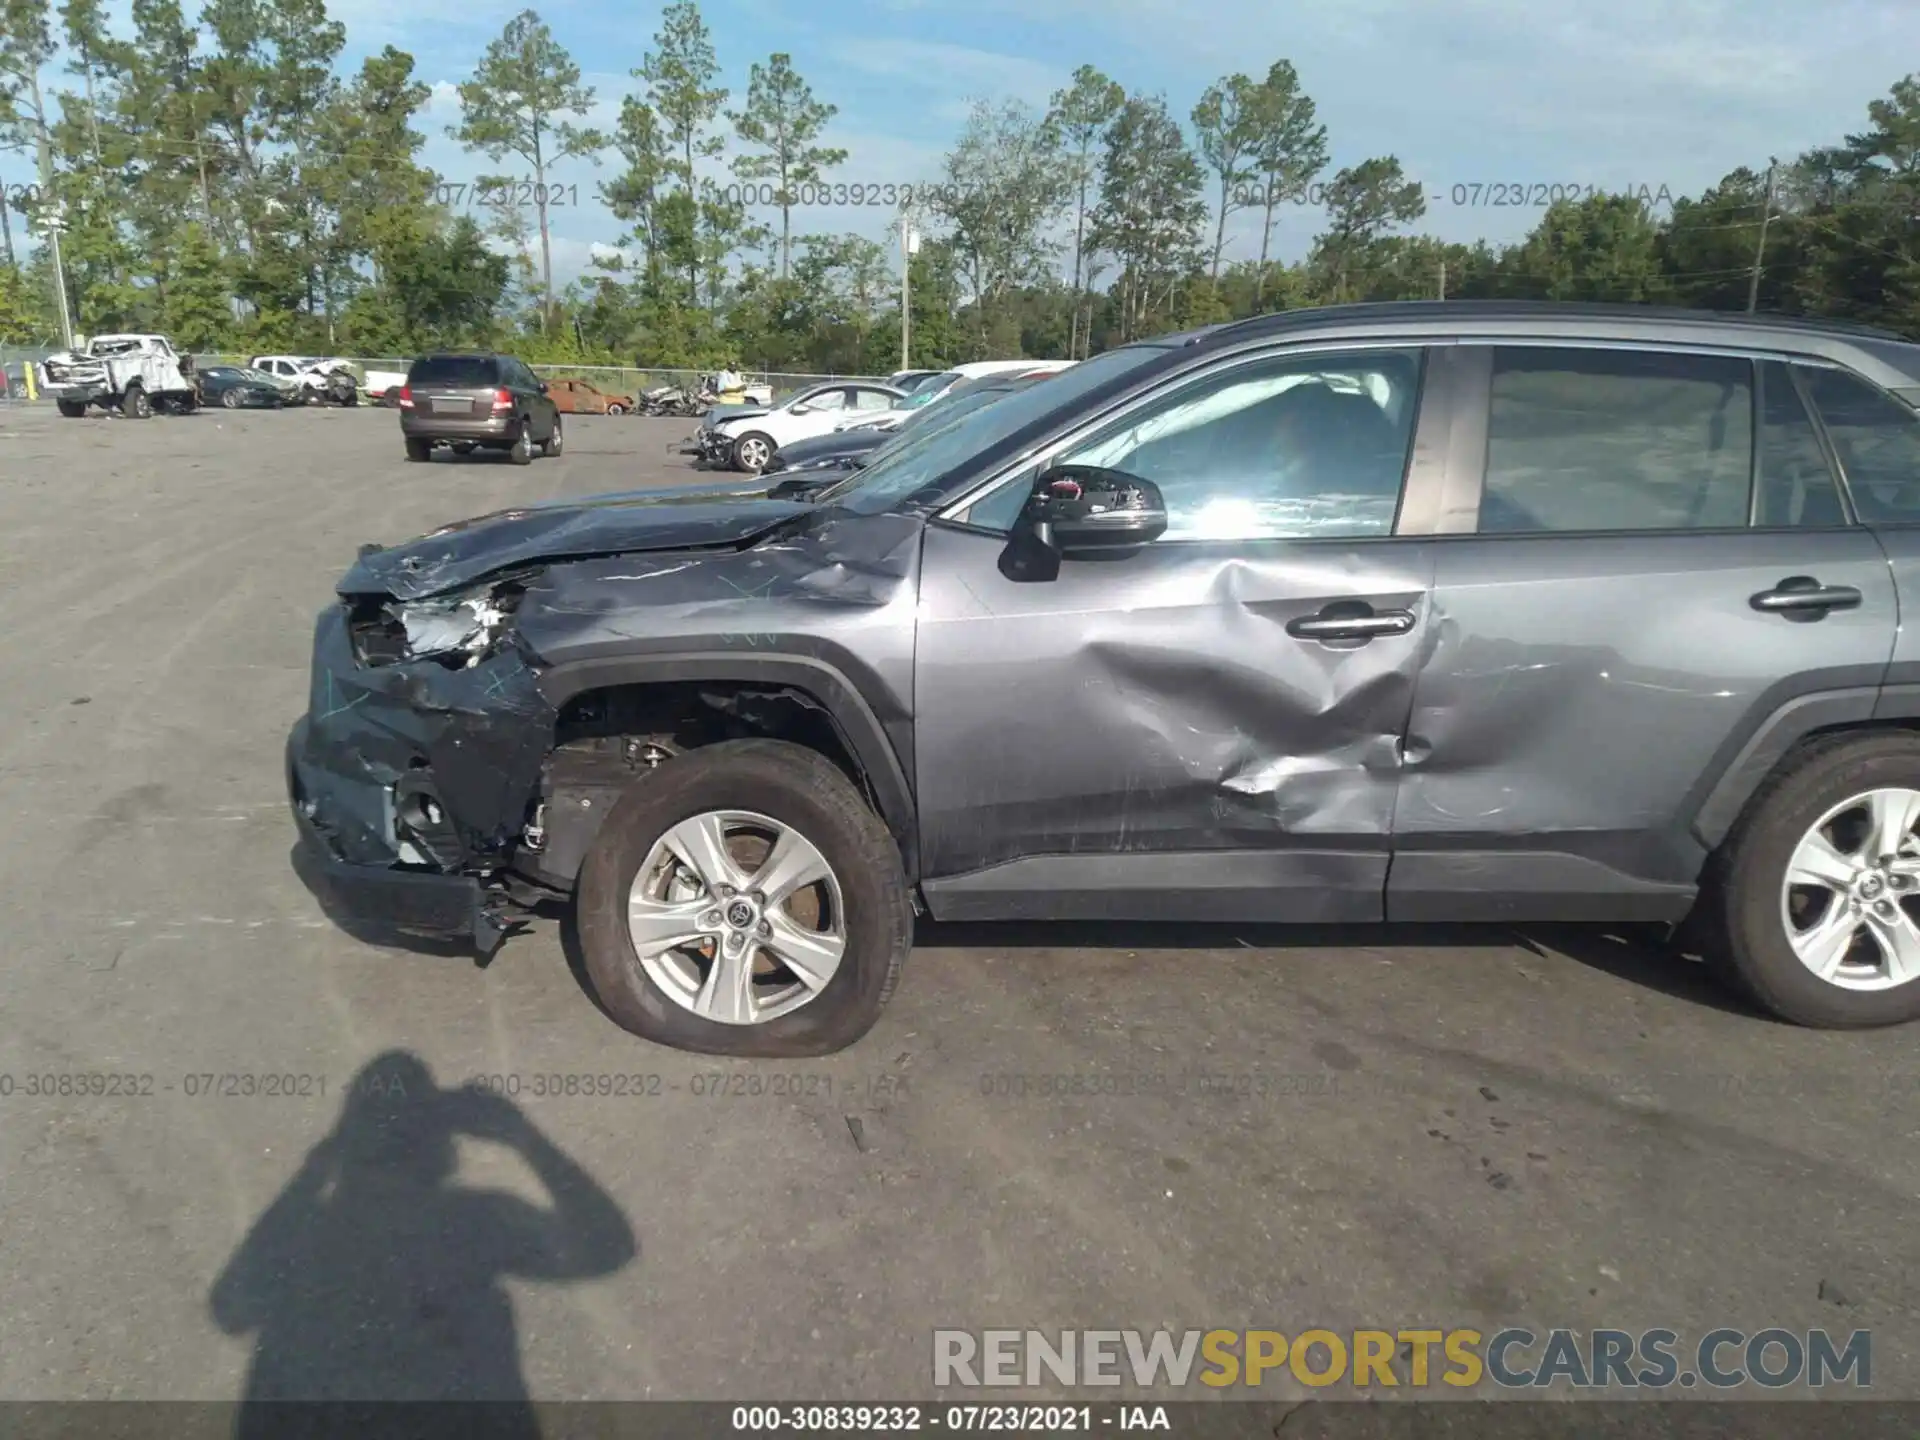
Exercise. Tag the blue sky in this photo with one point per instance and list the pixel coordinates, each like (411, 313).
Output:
(1611, 93)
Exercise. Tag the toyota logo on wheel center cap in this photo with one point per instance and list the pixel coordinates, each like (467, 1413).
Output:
(740, 914)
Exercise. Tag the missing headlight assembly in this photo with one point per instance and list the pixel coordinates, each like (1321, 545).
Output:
(458, 631)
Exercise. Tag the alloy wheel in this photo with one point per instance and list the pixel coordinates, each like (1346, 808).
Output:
(737, 917)
(1848, 899)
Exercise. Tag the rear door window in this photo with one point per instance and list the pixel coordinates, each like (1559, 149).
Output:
(1603, 439)
(1877, 440)
(455, 371)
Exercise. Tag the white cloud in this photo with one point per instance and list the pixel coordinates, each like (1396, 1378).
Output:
(946, 77)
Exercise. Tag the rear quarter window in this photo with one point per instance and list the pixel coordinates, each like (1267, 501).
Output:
(1877, 439)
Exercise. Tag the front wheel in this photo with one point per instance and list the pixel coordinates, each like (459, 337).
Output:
(752, 451)
(744, 900)
(616, 409)
(72, 409)
(231, 399)
(1819, 888)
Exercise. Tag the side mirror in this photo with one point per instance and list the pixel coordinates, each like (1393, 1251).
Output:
(543, 387)
(1084, 509)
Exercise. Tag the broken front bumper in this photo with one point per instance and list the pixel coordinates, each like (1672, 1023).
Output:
(710, 446)
(411, 784)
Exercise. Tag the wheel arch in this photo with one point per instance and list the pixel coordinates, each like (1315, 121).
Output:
(1779, 737)
(880, 768)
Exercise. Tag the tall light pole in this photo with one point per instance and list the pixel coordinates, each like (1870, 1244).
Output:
(50, 219)
(909, 247)
(1760, 249)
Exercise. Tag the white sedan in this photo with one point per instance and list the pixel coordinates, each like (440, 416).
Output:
(747, 442)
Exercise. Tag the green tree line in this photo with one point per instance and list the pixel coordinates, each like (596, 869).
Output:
(224, 178)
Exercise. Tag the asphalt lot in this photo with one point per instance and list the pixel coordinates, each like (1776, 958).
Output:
(1451, 1128)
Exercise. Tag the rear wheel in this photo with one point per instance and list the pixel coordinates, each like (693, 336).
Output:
(744, 900)
(1819, 888)
(134, 404)
(521, 452)
(552, 446)
(419, 449)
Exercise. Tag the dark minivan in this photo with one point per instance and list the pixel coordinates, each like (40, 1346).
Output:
(480, 401)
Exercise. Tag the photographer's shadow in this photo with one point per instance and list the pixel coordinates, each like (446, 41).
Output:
(376, 1276)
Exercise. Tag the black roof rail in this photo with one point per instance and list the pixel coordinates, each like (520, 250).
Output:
(1540, 309)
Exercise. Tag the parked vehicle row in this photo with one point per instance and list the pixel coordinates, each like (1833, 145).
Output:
(822, 458)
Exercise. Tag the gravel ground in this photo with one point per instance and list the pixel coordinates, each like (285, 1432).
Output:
(1050, 1128)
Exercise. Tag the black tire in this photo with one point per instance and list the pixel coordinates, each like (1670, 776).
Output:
(134, 404)
(72, 409)
(797, 787)
(419, 449)
(743, 451)
(551, 447)
(230, 399)
(616, 409)
(521, 451)
(1750, 950)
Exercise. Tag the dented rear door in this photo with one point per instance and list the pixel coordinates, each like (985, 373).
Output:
(1659, 561)
(1209, 727)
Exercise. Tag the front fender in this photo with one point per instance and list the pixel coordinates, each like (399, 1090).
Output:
(860, 725)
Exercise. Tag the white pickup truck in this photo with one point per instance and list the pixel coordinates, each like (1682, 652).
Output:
(133, 374)
(319, 380)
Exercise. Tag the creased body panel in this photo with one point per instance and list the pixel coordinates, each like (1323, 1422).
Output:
(479, 734)
(1157, 703)
(1585, 693)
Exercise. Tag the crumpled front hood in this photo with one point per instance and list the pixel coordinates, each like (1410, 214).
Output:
(467, 551)
(721, 414)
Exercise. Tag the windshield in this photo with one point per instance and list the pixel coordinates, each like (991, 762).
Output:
(916, 459)
(928, 390)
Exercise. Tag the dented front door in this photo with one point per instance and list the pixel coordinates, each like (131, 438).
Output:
(1160, 706)
(1209, 727)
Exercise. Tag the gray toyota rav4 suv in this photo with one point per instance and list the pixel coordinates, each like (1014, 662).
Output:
(1434, 611)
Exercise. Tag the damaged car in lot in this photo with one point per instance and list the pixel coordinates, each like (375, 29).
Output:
(1430, 611)
(744, 437)
(131, 375)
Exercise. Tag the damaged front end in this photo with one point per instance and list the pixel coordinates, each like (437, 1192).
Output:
(414, 772)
